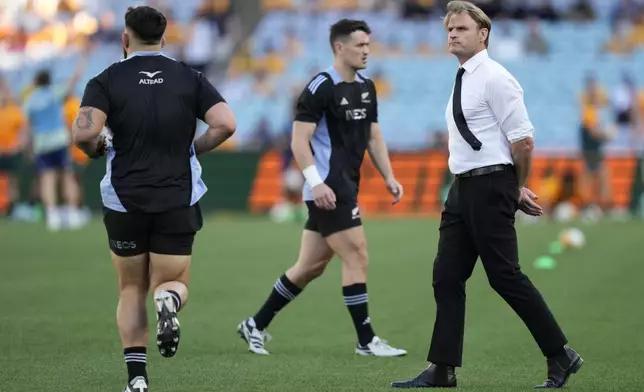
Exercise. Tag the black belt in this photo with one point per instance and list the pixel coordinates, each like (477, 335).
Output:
(481, 171)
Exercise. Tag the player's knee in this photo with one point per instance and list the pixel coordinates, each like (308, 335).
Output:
(500, 281)
(133, 291)
(317, 269)
(358, 259)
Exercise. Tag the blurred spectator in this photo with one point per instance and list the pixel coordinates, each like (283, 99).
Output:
(50, 142)
(505, 45)
(535, 42)
(107, 32)
(624, 102)
(438, 140)
(201, 40)
(624, 9)
(271, 62)
(12, 144)
(262, 85)
(261, 138)
(293, 47)
(582, 10)
(417, 9)
(593, 137)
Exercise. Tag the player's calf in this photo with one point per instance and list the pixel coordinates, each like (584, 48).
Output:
(169, 277)
(351, 246)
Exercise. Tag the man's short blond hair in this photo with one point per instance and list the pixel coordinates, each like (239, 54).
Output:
(482, 20)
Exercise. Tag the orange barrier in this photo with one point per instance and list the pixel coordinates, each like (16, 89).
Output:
(422, 175)
(4, 188)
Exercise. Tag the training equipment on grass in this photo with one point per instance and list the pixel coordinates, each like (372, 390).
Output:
(572, 238)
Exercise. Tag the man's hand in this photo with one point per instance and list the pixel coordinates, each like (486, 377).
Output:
(527, 204)
(324, 197)
(395, 189)
(101, 147)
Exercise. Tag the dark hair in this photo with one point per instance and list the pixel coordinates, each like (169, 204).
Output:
(146, 23)
(42, 79)
(344, 27)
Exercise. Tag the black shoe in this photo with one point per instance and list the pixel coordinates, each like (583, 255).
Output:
(435, 376)
(137, 385)
(168, 328)
(560, 368)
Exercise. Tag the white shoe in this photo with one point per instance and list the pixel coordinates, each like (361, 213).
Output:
(253, 336)
(137, 385)
(379, 348)
(54, 220)
(74, 219)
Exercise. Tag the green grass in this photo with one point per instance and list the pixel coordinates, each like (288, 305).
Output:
(59, 293)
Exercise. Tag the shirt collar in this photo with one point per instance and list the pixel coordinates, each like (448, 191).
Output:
(471, 64)
(335, 75)
(145, 53)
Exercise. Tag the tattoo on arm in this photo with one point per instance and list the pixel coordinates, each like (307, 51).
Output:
(84, 123)
(211, 140)
(84, 119)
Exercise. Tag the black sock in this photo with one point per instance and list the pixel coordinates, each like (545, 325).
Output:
(176, 298)
(284, 291)
(9, 210)
(355, 297)
(135, 359)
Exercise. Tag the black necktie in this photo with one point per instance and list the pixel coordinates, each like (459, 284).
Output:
(459, 118)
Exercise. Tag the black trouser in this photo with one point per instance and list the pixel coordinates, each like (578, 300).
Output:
(478, 220)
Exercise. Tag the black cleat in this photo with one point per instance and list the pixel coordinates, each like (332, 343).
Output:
(561, 368)
(168, 328)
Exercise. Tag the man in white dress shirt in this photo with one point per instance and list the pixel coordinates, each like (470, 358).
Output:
(490, 144)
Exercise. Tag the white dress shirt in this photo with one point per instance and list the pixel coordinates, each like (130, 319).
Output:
(493, 107)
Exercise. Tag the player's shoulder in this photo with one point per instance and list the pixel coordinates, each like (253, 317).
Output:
(320, 82)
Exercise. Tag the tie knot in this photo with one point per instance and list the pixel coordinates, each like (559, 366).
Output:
(460, 73)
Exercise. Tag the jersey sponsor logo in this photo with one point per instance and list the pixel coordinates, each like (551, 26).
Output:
(356, 114)
(151, 79)
(344, 102)
(123, 245)
(150, 74)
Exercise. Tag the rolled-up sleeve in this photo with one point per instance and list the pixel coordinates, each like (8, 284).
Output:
(505, 97)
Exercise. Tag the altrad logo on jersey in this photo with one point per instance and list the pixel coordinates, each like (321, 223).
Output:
(151, 78)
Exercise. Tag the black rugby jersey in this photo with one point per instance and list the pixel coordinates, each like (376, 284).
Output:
(152, 104)
(343, 113)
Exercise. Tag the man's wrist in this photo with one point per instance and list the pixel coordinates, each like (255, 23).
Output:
(312, 176)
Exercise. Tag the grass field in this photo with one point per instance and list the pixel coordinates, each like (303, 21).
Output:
(58, 333)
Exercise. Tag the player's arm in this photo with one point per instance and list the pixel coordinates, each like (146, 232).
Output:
(302, 134)
(214, 111)
(310, 109)
(91, 118)
(505, 98)
(86, 131)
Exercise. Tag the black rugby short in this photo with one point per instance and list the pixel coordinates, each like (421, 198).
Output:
(326, 222)
(169, 233)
